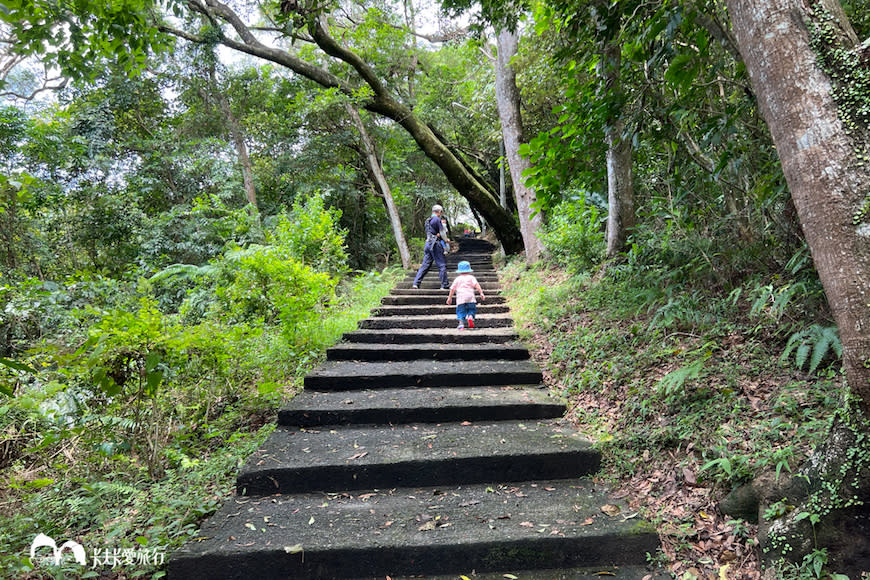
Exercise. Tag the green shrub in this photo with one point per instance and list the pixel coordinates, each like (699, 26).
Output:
(574, 235)
(311, 235)
(264, 282)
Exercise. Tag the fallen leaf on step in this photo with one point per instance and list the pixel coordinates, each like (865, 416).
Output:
(466, 423)
(311, 521)
(610, 509)
(527, 524)
(510, 577)
(358, 455)
(294, 549)
(588, 522)
(251, 526)
(430, 525)
(605, 573)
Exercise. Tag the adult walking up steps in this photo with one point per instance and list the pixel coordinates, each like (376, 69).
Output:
(421, 450)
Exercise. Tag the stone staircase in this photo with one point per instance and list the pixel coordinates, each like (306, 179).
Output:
(421, 450)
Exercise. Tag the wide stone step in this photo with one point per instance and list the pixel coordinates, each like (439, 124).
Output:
(352, 375)
(483, 308)
(451, 273)
(420, 405)
(427, 351)
(436, 299)
(398, 336)
(452, 261)
(416, 531)
(348, 458)
(428, 292)
(434, 284)
(436, 321)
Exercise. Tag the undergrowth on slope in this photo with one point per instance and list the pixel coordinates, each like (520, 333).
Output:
(689, 389)
(71, 473)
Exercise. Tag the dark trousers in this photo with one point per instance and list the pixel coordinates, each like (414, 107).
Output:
(433, 252)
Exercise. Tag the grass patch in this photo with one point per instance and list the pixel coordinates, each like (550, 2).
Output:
(682, 387)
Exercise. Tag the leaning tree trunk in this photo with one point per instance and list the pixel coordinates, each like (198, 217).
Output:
(238, 138)
(467, 182)
(507, 96)
(377, 172)
(620, 186)
(829, 185)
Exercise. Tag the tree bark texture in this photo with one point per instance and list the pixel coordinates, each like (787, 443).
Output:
(819, 162)
(620, 184)
(467, 182)
(377, 172)
(238, 138)
(828, 188)
(507, 96)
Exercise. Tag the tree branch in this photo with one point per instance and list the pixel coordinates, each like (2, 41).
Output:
(249, 44)
(318, 32)
(45, 87)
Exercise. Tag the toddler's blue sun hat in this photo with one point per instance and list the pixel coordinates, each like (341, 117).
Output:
(463, 267)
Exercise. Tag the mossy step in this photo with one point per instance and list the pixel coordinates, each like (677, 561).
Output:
(420, 405)
(428, 351)
(398, 336)
(352, 375)
(346, 458)
(434, 292)
(432, 274)
(435, 321)
(443, 530)
(434, 284)
(434, 299)
(483, 308)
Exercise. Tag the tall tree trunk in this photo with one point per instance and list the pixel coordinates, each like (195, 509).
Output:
(377, 172)
(507, 96)
(238, 138)
(411, 23)
(620, 185)
(829, 188)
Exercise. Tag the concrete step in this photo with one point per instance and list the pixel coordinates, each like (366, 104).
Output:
(483, 309)
(451, 273)
(429, 292)
(398, 336)
(352, 375)
(420, 405)
(445, 530)
(434, 284)
(348, 458)
(436, 299)
(426, 351)
(435, 321)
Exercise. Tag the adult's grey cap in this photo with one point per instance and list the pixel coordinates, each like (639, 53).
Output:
(437, 207)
